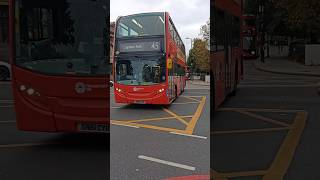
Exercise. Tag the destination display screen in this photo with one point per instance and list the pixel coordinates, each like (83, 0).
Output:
(139, 46)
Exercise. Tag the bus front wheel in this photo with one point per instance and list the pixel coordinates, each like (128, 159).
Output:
(4, 73)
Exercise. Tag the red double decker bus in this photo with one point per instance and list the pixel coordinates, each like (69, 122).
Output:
(149, 59)
(226, 49)
(58, 52)
(249, 37)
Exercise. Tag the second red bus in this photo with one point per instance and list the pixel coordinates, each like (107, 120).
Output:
(226, 50)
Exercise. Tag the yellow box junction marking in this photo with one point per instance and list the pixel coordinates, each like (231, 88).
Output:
(286, 152)
(173, 116)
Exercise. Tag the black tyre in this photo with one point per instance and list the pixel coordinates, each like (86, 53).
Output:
(176, 92)
(4, 73)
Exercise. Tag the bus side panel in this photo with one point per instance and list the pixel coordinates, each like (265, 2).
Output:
(236, 63)
(218, 68)
(238, 56)
(31, 117)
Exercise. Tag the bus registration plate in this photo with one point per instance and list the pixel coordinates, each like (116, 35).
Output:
(139, 102)
(92, 127)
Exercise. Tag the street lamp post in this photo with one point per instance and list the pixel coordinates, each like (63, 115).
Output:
(191, 41)
(261, 11)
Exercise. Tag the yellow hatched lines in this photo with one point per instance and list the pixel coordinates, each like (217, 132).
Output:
(189, 125)
(174, 115)
(285, 154)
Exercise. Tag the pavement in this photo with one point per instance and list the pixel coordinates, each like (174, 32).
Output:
(283, 65)
(199, 82)
(269, 130)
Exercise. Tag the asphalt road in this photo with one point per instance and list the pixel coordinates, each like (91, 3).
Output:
(25, 155)
(270, 130)
(165, 142)
(156, 142)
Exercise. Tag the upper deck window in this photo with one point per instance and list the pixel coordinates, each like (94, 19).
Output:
(151, 24)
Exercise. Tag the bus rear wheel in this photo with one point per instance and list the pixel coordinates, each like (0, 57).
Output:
(4, 73)
(176, 92)
(234, 91)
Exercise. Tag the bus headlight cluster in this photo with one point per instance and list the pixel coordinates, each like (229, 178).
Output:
(29, 90)
(23, 87)
(161, 90)
(118, 89)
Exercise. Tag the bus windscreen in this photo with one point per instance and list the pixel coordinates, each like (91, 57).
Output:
(151, 24)
(140, 71)
(56, 37)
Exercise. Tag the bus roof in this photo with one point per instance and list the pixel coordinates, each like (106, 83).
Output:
(143, 14)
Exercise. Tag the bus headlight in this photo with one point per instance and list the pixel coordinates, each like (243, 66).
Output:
(118, 89)
(161, 90)
(22, 87)
(253, 53)
(30, 91)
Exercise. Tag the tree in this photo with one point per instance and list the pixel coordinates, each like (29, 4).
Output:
(191, 60)
(303, 16)
(250, 7)
(199, 56)
(288, 17)
(205, 32)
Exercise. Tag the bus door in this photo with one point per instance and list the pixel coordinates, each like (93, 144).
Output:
(228, 54)
(170, 68)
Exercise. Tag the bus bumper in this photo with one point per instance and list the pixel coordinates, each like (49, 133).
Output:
(127, 98)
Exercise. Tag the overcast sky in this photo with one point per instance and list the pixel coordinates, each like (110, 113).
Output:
(187, 15)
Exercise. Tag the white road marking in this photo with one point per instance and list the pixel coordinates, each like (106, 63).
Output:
(9, 106)
(7, 121)
(167, 163)
(275, 85)
(6, 99)
(5, 83)
(115, 107)
(189, 135)
(6, 102)
(26, 145)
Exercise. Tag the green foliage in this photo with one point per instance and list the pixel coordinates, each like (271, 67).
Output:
(303, 16)
(289, 17)
(205, 32)
(199, 56)
(250, 7)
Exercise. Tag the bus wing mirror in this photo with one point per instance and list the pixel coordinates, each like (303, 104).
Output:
(169, 63)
